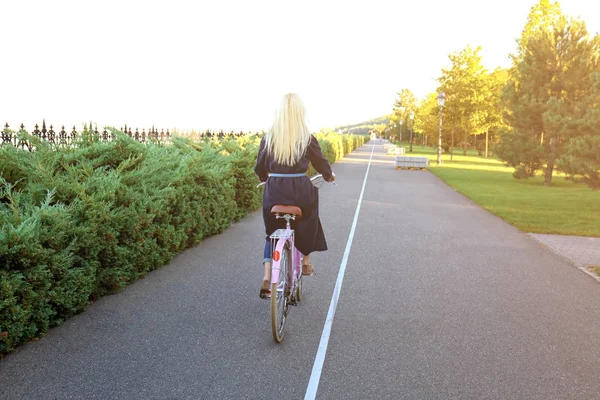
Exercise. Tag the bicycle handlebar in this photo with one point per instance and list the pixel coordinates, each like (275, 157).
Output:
(314, 178)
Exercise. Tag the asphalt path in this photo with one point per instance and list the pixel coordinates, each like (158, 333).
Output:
(440, 300)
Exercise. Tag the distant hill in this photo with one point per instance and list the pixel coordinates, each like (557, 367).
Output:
(363, 128)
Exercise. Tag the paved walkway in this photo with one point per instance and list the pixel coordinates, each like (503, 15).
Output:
(581, 251)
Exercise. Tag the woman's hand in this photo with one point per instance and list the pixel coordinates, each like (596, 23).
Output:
(332, 177)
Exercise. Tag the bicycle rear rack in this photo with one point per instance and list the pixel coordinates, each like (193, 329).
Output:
(281, 234)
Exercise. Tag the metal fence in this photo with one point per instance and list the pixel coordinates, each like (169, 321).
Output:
(66, 138)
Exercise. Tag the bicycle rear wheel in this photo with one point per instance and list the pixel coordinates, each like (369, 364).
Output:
(279, 296)
(299, 288)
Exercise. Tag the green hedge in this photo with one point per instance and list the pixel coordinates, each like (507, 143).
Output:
(80, 223)
(335, 146)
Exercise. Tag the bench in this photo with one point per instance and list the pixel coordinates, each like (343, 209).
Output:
(396, 150)
(408, 162)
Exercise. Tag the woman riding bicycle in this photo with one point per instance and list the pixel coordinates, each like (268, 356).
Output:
(282, 162)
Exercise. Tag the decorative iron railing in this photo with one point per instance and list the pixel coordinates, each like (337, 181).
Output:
(65, 137)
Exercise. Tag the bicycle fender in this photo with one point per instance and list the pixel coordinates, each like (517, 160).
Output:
(275, 268)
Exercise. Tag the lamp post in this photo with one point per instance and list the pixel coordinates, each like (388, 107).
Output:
(441, 97)
(400, 132)
(401, 109)
(412, 117)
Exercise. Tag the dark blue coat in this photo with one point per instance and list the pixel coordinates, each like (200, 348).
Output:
(297, 191)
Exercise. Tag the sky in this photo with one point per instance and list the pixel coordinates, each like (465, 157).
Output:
(224, 64)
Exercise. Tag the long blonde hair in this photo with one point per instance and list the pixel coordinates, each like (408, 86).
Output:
(289, 136)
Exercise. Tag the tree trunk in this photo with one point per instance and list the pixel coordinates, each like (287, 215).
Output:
(550, 164)
(548, 173)
(487, 131)
(452, 147)
(465, 144)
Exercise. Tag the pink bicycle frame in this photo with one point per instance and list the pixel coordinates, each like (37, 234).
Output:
(281, 237)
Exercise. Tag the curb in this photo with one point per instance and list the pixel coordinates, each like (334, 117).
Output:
(563, 256)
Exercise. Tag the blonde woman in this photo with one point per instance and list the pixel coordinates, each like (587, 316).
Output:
(283, 158)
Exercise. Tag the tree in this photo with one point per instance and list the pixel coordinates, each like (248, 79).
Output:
(491, 106)
(404, 104)
(542, 17)
(581, 162)
(464, 84)
(427, 121)
(551, 95)
(363, 128)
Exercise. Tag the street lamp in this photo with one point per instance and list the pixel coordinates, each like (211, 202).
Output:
(401, 109)
(441, 97)
(411, 116)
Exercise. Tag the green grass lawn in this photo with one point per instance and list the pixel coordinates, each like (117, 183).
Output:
(563, 208)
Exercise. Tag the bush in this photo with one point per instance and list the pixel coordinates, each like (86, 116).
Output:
(335, 145)
(83, 222)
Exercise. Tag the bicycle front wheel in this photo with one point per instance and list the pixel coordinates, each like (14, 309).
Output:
(280, 292)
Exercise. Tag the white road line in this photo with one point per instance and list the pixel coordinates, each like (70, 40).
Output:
(315, 376)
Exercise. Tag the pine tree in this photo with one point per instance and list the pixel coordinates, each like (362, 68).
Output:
(549, 92)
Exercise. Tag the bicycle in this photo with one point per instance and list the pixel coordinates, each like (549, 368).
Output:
(286, 267)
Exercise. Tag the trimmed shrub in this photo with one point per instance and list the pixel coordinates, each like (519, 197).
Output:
(335, 146)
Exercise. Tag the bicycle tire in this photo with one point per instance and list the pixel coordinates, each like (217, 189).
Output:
(279, 296)
(299, 288)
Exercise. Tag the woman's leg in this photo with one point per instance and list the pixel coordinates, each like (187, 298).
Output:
(307, 268)
(265, 287)
(267, 260)
(267, 276)
(305, 259)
